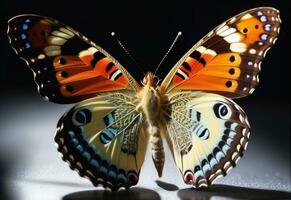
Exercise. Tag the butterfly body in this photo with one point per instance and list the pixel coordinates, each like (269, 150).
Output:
(152, 102)
(104, 137)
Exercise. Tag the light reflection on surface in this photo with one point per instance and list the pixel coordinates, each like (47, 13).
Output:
(30, 165)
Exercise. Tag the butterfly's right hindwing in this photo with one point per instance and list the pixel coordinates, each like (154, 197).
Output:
(207, 134)
(102, 139)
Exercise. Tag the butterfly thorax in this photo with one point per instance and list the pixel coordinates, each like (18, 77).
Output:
(151, 101)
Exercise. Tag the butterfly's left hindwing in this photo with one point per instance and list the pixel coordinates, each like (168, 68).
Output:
(67, 66)
(103, 139)
(207, 134)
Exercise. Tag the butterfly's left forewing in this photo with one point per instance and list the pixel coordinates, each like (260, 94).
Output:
(207, 134)
(102, 138)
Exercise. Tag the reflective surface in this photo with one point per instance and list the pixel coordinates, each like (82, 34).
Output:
(30, 167)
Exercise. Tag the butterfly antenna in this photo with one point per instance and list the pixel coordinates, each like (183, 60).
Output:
(113, 34)
(171, 47)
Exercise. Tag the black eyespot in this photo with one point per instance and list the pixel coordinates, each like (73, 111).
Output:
(256, 26)
(69, 88)
(83, 116)
(204, 162)
(221, 111)
(62, 61)
(231, 71)
(232, 58)
(228, 84)
(64, 74)
(245, 30)
(42, 34)
(197, 168)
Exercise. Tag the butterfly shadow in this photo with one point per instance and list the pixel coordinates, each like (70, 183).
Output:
(234, 192)
(136, 193)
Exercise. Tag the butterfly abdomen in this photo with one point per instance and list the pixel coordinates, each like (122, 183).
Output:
(158, 153)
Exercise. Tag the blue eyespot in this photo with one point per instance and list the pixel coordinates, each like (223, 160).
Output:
(264, 36)
(24, 26)
(267, 27)
(263, 18)
(23, 36)
(27, 45)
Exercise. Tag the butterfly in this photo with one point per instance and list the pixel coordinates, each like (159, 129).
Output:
(104, 136)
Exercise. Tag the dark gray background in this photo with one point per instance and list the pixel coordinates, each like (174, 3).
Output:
(30, 167)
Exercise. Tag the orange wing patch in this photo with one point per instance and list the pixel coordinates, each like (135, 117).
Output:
(87, 74)
(193, 64)
(251, 27)
(221, 74)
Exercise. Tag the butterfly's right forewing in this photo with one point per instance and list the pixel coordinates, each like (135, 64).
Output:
(67, 66)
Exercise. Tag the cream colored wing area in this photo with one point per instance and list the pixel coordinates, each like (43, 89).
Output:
(207, 134)
(102, 139)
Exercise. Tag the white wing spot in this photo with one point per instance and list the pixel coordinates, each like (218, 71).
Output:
(235, 37)
(252, 51)
(245, 147)
(66, 31)
(233, 155)
(201, 49)
(41, 56)
(258, 80)
(220, 26)
(259, 65)
(244, 131)
(210, 52)
(92, 50)
(61, 34)
(52, 50)
(232, 20)
(246, 16)
(227, 32)
(238, 147)
(238, 47)
(56, 40)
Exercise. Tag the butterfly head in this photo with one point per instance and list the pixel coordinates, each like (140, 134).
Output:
(151, 80)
